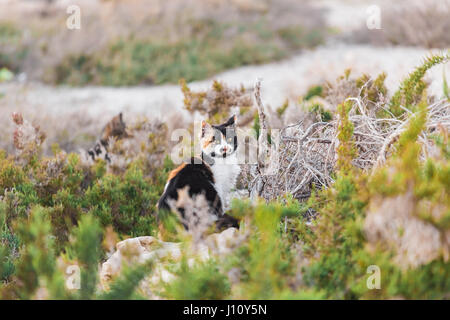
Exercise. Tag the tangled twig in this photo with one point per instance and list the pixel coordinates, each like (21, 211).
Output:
(307, 155)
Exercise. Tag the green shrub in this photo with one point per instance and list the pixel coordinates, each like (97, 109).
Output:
(37, 274)
(337, 245)
(55, 210)
(265, 262)
(125, 287)
(130, 61)
(313, 92)
(9, 248)
(412, 88)
(128, 202)
(87, 250)
(320, 112)
(202, 281)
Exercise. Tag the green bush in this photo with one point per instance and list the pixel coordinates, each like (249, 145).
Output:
(204, 281)
(210, 50)
(126, 202)
(132, 62)
(339, 250)
(58, 210)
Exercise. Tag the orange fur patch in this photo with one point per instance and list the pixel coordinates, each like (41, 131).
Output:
(207, 143)
(174, 172)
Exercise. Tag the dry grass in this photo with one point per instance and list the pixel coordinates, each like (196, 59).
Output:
(306, 154)
(411, 23)
(72, 131)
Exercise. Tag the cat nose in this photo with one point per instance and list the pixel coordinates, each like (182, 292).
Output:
(224, 149)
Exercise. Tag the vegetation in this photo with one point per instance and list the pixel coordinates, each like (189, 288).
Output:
(155, 47)
(132, 62)
(56, 212)
(60, 206)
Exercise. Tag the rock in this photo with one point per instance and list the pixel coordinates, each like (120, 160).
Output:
(393, 222)
(139, 250)
(222, 243)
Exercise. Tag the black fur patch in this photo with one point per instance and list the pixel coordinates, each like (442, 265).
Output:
(98, 149)
(92, 154)
(226, 222)
(199, 180)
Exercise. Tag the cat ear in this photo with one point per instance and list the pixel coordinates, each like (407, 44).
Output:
(205, 127)
(121, 119)
(232, 120)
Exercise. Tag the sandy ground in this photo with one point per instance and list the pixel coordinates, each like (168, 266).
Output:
(281, 80)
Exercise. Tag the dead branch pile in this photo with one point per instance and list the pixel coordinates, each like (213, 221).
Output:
(306, 154)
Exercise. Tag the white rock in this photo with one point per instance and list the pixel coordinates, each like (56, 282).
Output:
(139, 250)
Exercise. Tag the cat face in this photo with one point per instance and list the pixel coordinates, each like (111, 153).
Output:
(219, 141)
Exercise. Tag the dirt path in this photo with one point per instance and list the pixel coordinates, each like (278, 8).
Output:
(281, 80)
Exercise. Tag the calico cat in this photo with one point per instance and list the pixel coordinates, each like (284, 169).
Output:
(213, 174)
(115, 128)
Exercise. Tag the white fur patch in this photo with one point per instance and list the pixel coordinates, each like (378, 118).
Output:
(225, 171)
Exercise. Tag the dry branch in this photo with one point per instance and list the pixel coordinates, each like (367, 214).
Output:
(307, 154)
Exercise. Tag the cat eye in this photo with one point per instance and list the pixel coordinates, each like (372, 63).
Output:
(213, 140)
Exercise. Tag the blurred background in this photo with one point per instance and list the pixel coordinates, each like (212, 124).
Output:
(129, 55)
